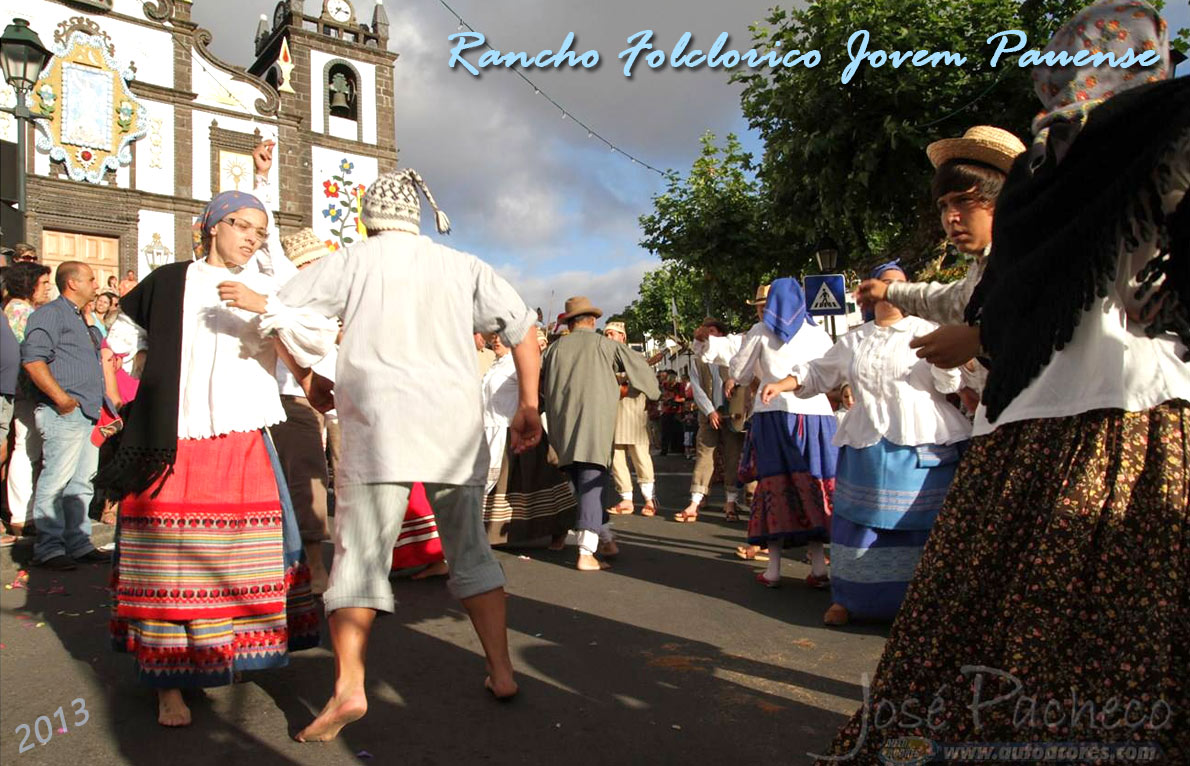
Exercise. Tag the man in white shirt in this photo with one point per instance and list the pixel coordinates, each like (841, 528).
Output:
(410, 409)
(716, 429)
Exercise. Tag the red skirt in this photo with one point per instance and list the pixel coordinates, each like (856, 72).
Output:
(210, 545)
(418, 544)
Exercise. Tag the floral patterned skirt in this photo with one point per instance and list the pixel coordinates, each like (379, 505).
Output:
(1052, 597)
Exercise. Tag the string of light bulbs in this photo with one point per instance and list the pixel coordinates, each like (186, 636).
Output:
(566, 114)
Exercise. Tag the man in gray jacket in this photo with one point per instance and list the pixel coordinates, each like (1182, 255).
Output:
(582, 396)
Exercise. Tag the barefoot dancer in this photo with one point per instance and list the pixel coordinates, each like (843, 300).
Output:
(410, 410)
(208, 580)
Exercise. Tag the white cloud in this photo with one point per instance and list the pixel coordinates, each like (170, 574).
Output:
(609, 289)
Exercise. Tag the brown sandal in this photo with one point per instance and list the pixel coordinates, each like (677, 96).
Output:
(685, 518)
(649, 510)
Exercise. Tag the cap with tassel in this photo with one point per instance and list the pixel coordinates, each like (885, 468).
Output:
(391, 204)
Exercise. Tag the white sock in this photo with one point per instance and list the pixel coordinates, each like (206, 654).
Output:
(696, 498)
(588, 541)
(731, 495)
(626, 496)
(817, 559)
(646, 489)
(773, 573)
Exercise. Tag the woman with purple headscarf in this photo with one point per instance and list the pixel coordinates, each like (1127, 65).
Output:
(208, 580)
(1051, 601)
(788, 450)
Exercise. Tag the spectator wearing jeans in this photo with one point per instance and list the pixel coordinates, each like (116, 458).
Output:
(62, 359)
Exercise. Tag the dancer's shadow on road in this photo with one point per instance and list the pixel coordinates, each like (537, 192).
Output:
(592, 690)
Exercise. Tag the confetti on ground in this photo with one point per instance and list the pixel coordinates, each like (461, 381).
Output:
(676, 727)
(804, 643)
(524, 558)
(363, 754)
(39, 625)
(2, 646)
(61, 731)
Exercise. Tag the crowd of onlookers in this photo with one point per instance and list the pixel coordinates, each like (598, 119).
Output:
(29, 285)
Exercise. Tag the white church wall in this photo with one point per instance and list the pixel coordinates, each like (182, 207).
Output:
(337, 178)
(366, 95)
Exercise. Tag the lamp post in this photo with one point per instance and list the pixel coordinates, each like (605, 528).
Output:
(827, 256)
(22, 56)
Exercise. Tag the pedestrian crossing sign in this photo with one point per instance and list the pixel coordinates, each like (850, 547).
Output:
(826, 294)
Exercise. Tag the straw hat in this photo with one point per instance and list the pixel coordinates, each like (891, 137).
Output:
(982, 143)
(615, 327)
(579, 305)
(762, 296)
(303, 247)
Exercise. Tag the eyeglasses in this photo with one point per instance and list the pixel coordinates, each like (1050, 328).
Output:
(247, 229)
(26, 257)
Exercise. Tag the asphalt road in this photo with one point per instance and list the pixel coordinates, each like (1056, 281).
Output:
(673, 656)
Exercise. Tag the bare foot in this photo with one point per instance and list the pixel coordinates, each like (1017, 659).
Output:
(558, 543)
(437, 569)
(171, 708)
(342, 709)
(609, 549)
(503, 690)
(836, 615)
(588, 563)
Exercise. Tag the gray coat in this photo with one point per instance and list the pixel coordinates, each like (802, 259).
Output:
(582, 395)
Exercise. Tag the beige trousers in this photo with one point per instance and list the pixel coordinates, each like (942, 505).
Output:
(641, 461)
(704, 461)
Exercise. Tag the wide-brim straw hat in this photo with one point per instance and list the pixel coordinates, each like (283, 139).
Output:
(578, 306)
(303, 247)
(762, 296)
(982, 143)
(616, 327)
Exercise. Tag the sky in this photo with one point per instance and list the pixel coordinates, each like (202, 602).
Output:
(553, 210)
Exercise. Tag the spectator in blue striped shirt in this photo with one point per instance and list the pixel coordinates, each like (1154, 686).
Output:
(62, 359)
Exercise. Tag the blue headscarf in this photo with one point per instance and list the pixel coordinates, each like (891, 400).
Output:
(879, 270)
(785, 310)
(869, 313)
(219, 208)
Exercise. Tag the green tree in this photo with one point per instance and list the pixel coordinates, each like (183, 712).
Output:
(651, 315)
(848, 160)
(711, 230)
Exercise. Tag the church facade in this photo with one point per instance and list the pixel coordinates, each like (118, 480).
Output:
(137, 125)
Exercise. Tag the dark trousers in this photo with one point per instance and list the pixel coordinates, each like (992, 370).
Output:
(671, 433)
(589, 480)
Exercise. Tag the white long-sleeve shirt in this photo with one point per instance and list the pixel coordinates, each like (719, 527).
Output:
(501, 395)
(898, 396)
(706, 405)
(226, 378)
(761, 354)
(1110, 363)
(405, 388)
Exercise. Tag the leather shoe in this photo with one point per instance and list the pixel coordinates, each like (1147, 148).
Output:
(94, 556)
(59, 563)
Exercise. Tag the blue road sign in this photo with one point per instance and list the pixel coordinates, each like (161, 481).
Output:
(826, 294)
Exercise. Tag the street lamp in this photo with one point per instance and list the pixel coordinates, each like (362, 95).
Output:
(827, 255)
(22, 56)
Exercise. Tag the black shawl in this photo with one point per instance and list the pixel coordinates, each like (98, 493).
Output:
(143, 453)
(1058, 231)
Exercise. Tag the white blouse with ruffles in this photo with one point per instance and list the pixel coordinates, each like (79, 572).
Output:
(1110, 363)
(226, 380)
(898, 396)
(761, 354)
